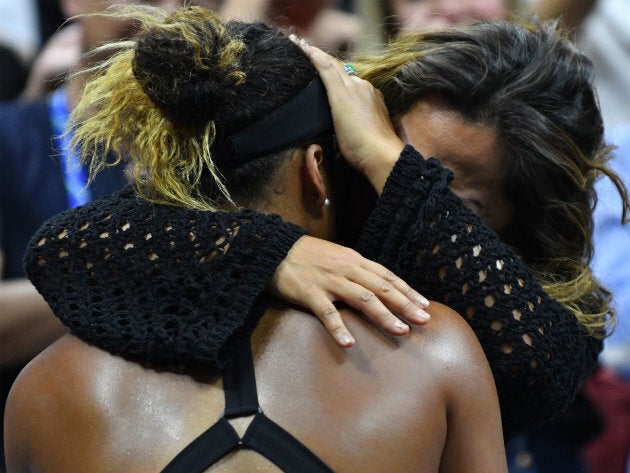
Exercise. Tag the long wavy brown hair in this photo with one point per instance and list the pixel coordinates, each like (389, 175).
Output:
(534, 87)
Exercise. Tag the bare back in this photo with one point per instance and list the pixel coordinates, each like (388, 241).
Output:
(424, 403)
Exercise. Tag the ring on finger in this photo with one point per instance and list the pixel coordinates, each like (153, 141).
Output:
(350, 69)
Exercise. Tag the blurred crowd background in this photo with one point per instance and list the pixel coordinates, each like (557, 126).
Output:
(40, 44)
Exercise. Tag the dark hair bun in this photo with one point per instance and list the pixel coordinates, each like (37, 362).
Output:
(189, 66)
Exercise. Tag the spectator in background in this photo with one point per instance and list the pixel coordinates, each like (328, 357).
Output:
(27, 25)
(612, 254)
(601, 31)
(321, 22)
(609, 388)
(60, 54)
(14, 73)
(406, 15)
(19, 27)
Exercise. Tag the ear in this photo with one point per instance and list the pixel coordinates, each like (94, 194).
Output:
(313, 184)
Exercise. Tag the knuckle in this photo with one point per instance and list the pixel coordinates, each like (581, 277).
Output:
(386, 286)
(390, 276)
(350, 254)
(385, 317)
(328, 313)
(366, 296)
(408, 307)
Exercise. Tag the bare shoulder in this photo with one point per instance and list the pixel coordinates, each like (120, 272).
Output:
(451, 351)
(474, 441)
(449, 336)
(51, 379)
(52, 365)
(56, 364)
(39, 395)
(76, 407)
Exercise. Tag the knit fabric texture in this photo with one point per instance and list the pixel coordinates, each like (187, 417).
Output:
(539, 354)
(165, 285)
(155, 283)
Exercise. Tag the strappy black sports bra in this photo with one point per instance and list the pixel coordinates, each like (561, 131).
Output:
(263, 435)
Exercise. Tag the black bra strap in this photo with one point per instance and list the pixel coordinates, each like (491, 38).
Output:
(263, 435)
(205, 450)
(239, 385)
(281, 448)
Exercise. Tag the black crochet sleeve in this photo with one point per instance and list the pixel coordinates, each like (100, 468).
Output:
(538, 352)
(156, 283)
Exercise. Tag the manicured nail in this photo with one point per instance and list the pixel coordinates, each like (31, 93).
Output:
(347, 340)
(400, 325)
(422, 316)
(422, 301)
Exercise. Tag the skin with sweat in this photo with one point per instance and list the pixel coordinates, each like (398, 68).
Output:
(120, 417)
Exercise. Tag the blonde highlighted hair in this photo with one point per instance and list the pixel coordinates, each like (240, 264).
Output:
(116, 119)
(188, 81)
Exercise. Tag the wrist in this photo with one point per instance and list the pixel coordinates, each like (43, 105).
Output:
(378, 168)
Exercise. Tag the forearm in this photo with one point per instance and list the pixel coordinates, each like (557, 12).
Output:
(424, 233)
(27, 324)
(158, 283)
(379, 167)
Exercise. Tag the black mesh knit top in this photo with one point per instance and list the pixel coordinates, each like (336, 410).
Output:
(165, 285)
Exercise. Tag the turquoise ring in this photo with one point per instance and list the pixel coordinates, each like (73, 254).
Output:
(350, 69)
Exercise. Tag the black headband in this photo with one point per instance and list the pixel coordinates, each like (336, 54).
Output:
(304, 116)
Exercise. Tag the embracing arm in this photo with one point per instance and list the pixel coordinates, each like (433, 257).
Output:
(538, 352)
(108, 270)
(221, 264)
(162, 284)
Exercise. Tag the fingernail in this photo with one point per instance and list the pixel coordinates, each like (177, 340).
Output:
(347, 340)
(422, 301)
(400, 325)
(422, 316)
